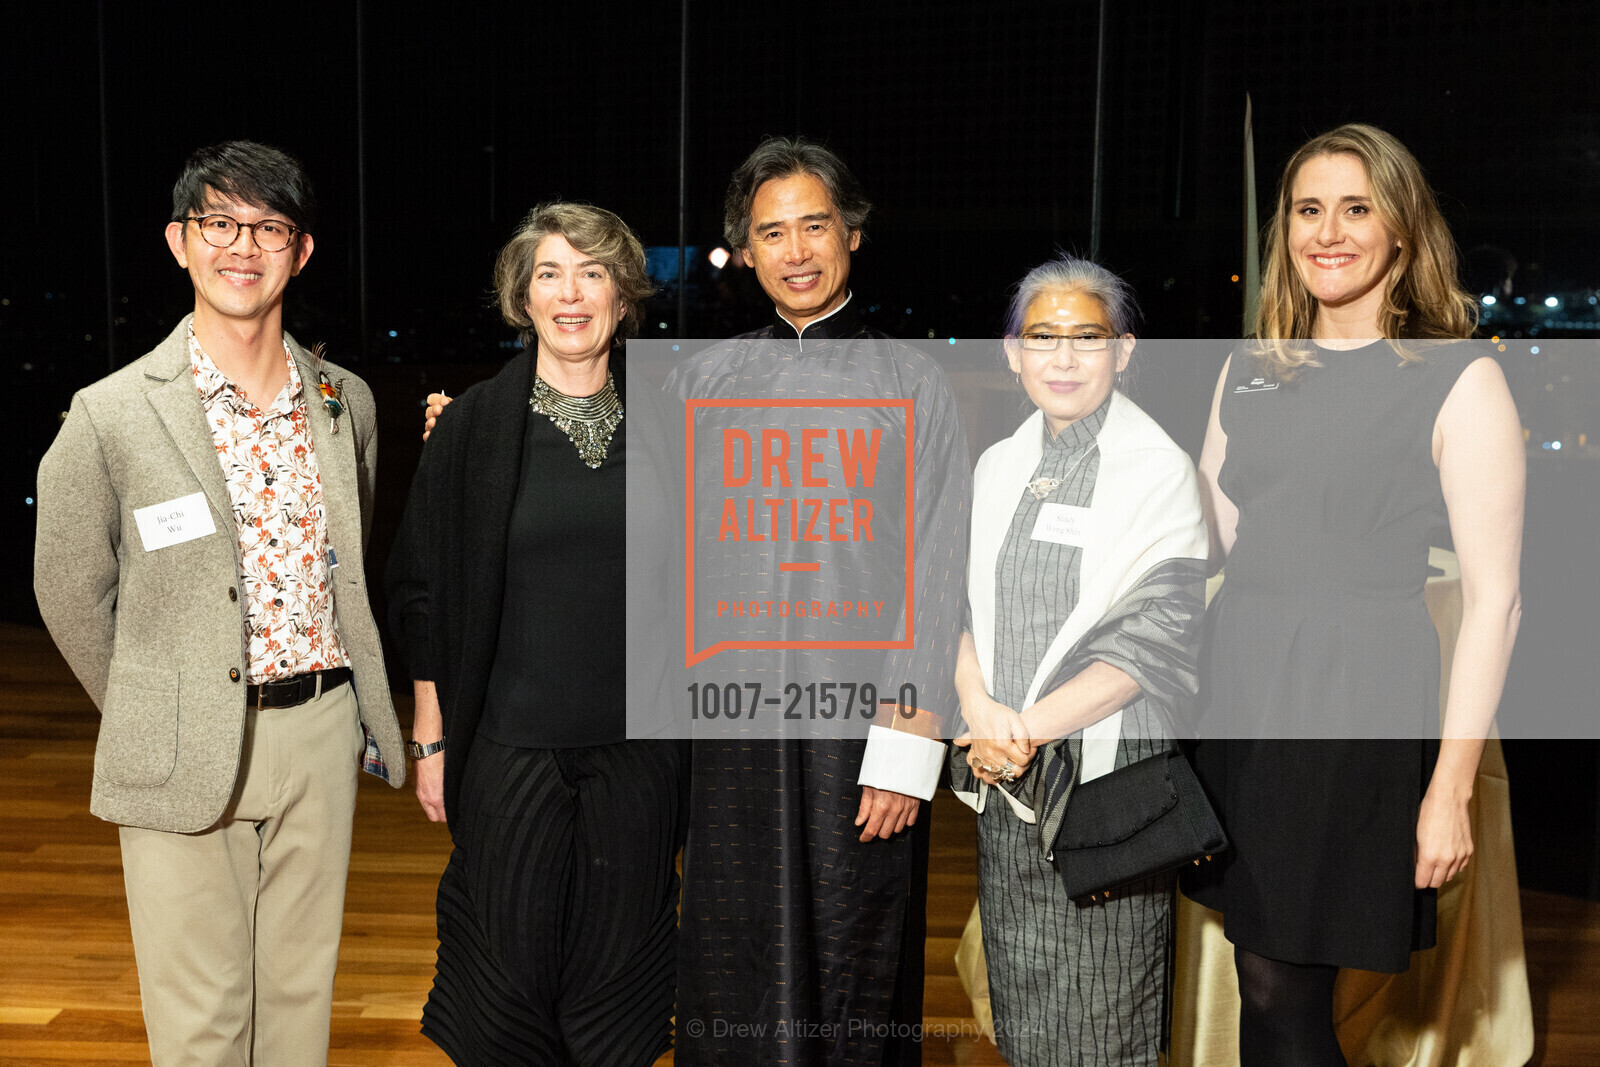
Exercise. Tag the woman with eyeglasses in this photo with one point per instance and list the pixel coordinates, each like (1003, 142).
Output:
(1354, 432)
(1085, 586)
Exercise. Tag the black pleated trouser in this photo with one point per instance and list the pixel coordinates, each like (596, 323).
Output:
(557, 911)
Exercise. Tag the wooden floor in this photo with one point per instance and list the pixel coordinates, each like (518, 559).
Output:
(69, 993)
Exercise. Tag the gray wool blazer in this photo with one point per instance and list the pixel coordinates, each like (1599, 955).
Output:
(158, 637)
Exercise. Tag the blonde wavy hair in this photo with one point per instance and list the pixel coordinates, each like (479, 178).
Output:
(1423, 298)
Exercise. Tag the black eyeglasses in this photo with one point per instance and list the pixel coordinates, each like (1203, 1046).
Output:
(1049, 342)
(220, 231)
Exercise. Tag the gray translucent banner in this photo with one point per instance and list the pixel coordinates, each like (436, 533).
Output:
(791, 567)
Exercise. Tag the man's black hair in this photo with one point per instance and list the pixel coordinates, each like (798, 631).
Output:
(258, 174)
(784, 157)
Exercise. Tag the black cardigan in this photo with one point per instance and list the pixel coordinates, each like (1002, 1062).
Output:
(446, 574)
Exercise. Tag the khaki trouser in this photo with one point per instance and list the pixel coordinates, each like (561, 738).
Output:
(236, 928)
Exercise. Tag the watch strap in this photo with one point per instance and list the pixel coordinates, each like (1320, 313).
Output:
(420, 751)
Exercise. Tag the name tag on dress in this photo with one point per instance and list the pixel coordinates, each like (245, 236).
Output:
(1063, 524)
(1257, 385)
(176, 521)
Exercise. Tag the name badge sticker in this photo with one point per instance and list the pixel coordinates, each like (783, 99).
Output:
(1063, 524)
(174, 522)
(1257, 385)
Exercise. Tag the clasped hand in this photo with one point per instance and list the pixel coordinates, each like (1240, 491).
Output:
(996, 736)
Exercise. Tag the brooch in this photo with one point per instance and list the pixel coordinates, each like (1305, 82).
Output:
(330, 390)
(1041, 487)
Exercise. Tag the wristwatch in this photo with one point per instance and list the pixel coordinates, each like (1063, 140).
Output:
(416, 751)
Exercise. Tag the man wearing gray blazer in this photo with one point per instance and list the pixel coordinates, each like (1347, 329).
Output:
(202, 517)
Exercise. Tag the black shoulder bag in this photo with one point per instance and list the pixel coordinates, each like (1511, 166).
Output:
(1137, 821)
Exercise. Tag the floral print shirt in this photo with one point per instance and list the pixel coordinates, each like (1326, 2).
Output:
(276, 493)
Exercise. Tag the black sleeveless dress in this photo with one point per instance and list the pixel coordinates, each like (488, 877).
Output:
(1320, 631)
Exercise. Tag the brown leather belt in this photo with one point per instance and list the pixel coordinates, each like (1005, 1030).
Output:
(287, 692)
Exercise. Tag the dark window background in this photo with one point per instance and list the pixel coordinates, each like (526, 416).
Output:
(972, 127)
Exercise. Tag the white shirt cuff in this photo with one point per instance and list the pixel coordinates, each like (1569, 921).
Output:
(902, 762)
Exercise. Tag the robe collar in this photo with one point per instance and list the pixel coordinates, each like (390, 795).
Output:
(843, 321)
(1077, 436)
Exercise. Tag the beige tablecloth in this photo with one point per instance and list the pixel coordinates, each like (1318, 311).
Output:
(1464, 1003)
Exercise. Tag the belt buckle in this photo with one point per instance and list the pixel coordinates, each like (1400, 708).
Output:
(295, 680)
(315, 679)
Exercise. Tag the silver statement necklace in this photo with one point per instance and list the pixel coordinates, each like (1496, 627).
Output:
(589, 421)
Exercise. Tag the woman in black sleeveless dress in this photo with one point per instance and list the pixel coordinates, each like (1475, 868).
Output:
(1354, 433)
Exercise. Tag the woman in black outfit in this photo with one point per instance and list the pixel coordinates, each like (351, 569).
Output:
(557, 927)
(1354, 433)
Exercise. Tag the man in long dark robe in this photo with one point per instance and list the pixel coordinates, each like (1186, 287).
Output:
(803, 915)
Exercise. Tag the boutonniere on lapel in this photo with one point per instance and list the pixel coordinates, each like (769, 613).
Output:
(331, 391)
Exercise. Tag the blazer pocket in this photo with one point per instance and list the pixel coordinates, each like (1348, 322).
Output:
(138, 742)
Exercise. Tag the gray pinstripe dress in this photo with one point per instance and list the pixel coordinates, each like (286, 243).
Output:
(1068, 985)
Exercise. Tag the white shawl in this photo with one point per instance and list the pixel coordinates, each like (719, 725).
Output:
(1145, 509)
